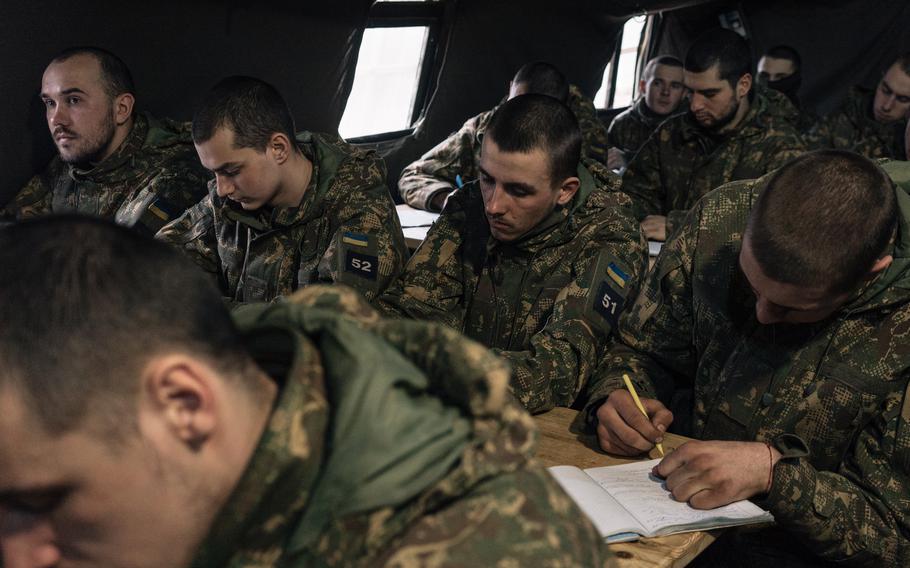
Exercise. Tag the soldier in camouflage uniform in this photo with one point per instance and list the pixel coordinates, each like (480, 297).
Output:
(661, 90)
(323, 213)
(544, 293)
(730, 132)
(425, 183)
(870, 123)
(140, 171)
(780, 70)
(305, 433)
(789, 334)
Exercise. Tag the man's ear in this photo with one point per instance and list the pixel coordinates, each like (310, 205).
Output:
(642, 86)
(123, 108)
(280, 147)
(567, 190)
(180, 391)
(744, 85)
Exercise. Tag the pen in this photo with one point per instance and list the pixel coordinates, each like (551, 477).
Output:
(637, 400)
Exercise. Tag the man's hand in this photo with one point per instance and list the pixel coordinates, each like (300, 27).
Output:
(438, 201)
(622, 429)
(713, 474)
(616, 159)
(655, 227)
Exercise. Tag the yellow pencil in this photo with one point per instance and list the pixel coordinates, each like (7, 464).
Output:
(634, 394)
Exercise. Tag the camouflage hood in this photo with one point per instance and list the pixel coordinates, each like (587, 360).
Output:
(408, 415)
(328, 153)
(892, 286)
(151, 137)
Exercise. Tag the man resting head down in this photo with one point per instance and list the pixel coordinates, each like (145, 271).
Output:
(151, 430)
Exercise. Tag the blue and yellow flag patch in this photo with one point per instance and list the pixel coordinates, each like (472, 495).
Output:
(617, 275)
(356, 239)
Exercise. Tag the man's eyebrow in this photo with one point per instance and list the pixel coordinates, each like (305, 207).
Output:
(520, 186)
(69, 91)
(223, 167)
(17, 493)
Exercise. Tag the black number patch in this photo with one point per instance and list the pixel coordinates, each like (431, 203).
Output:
(609, 304)
(364, 265)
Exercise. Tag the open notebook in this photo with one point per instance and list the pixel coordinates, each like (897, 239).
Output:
(627, 501)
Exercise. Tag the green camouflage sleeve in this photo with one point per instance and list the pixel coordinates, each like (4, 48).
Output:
(860, 515)
(642, 180)
(593, 130)
(33, 200)
(431, 286)
(564, 354)
(656, 332)
(436, 171)
(194, 234)
(368, 249)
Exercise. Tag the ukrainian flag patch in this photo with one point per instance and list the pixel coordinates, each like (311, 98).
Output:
(617, 275)
(355, 239)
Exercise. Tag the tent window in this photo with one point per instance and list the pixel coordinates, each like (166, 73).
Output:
(385, 82)
(618, 88)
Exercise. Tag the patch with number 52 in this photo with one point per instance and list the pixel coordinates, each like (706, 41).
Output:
(609, 303)
(363, 265)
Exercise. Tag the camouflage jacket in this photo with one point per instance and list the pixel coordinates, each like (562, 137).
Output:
(153, 177)
(854, 128)
(631, 128)
(548, 302)
(681, 162)
(345, 230)
(832, 396)
(391, 443)
(459, 154)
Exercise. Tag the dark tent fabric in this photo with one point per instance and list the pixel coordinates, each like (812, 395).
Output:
(176, 51)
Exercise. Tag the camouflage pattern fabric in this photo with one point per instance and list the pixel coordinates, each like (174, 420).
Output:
(548, 302)
(459, 154)
(152, 178)
(632, 127)
(681, 162)
(854, 128)
(832, 396)
(781, 105)
(345, 230)
(491, 505)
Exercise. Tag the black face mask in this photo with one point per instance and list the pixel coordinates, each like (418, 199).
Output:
(788, 85)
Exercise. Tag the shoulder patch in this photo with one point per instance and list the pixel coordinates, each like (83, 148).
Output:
(609, 303)
(617, 275)
(363, 265)
(355, 239)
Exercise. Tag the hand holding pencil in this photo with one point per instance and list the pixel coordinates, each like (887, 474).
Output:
(628, 425)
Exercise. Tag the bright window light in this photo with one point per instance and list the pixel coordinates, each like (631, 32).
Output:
(625, 72)
(385, 81)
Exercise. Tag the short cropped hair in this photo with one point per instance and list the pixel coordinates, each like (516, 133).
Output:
(785, 52)
(543, 78)
(651, 66)
(253, 109)
(114, 72)
(903, 61)
(527, 122)
(724, 48)
(86, 304)
(823, 220)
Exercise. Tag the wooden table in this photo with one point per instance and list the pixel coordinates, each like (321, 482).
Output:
(559, 446)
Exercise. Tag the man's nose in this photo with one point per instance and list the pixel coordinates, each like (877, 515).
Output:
(496, 203)
(888, 103)
(224, 186)
(696, 103)
(58, 116)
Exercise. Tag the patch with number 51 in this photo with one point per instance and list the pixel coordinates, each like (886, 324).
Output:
(363, 265)
(609, 303)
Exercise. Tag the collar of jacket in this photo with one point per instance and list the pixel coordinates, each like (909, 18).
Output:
(112, 168)
(647, 116)
(332, 449)
(860, 103)
(893, 285)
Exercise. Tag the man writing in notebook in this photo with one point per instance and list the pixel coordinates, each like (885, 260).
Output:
(791, 337)
(155, 430)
